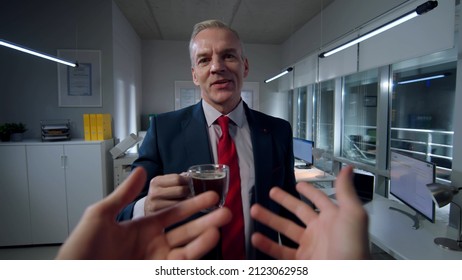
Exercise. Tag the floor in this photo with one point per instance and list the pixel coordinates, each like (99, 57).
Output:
(29, 253)
(379, 254)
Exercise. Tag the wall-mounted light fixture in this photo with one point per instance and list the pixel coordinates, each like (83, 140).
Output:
(279, 75)
(421, 9)
(422, 79)
(36, 53)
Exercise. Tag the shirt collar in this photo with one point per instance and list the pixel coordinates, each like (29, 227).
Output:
(211, 114)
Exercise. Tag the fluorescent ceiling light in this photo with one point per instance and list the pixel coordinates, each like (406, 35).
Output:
(279, 75)
(422, 79)
(421, 9)
(36, 53)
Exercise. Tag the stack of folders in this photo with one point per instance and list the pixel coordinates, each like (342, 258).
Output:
(55, 130)
(97, 127)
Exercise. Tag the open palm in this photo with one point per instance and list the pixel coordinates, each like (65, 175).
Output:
(99, 236)
(333, 231)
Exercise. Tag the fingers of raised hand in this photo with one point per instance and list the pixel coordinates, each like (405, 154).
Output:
(295, 205)
(345, 190)
(186, 208)
(272, 248)
(317, 197)
(197, 247)
(191, 230)
(125, 193)
(282, 225)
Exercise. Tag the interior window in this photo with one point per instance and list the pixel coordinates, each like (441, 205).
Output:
(360, 116)
(300, 118)
(422, 111)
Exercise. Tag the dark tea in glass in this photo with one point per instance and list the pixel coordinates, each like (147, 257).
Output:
(209, 177)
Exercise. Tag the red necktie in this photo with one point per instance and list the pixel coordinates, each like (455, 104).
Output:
(233, 240)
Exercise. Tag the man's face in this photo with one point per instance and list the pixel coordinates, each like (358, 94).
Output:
(218, 68)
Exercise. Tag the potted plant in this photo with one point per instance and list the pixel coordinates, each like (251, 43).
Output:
(12, 132)
(17, 131)
(5, 132)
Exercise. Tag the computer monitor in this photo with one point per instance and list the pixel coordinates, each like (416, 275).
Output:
(364, 183)
(303, 151)
(408, 183)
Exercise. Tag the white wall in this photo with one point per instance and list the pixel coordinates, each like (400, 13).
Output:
(423, 35)
(337, 19)
(265, 62)
(165, 62)
(127, 76)
(426, 34)
(29, 85)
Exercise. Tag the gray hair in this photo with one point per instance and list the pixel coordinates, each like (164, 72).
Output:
(212, 23)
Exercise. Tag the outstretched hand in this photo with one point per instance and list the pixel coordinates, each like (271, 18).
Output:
(99, 236)
(337, 231)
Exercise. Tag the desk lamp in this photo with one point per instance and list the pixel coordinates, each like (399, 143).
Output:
(443, 195)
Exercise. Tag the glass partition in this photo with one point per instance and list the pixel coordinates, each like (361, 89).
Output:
(324, 116)
(422, 111)
(360, 116)
(415, 120)
(300, 117)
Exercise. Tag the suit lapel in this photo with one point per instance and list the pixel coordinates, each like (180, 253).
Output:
(263, 157)
(196, 139)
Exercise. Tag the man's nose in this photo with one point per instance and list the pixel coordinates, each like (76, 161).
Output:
(217, 65)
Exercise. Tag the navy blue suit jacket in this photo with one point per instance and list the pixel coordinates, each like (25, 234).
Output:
(179, 139)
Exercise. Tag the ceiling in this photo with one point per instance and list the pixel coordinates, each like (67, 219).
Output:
(256, 21)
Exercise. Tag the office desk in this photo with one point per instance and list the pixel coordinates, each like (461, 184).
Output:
(393, 233)
(312, 175)
(122, 167)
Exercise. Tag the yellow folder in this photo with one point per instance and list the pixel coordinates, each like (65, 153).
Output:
(93, 127)
(86, 127)
(104, 126)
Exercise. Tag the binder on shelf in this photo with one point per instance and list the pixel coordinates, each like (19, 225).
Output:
(97, 127)
(103, 126)
(86, 127)
(93, 128)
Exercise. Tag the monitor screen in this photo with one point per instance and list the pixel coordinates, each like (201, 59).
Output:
(364, 184)
(408, 183)
(303, 150)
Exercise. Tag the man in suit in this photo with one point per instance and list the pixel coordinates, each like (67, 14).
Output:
(180, 139)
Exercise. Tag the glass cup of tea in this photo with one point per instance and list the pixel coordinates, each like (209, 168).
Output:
(209, 177)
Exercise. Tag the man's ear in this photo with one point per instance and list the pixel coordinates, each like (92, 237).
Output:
(246, 68)
(194, 77)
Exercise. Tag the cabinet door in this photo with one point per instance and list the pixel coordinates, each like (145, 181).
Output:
(47, 193)
(84, 179)
(14, 197)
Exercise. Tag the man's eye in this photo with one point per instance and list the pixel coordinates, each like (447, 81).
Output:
(230, 56)
(203, 61)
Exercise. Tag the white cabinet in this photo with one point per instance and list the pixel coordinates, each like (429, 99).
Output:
(88, 178)
(61, 180)
(14, 196)
(47, 193)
